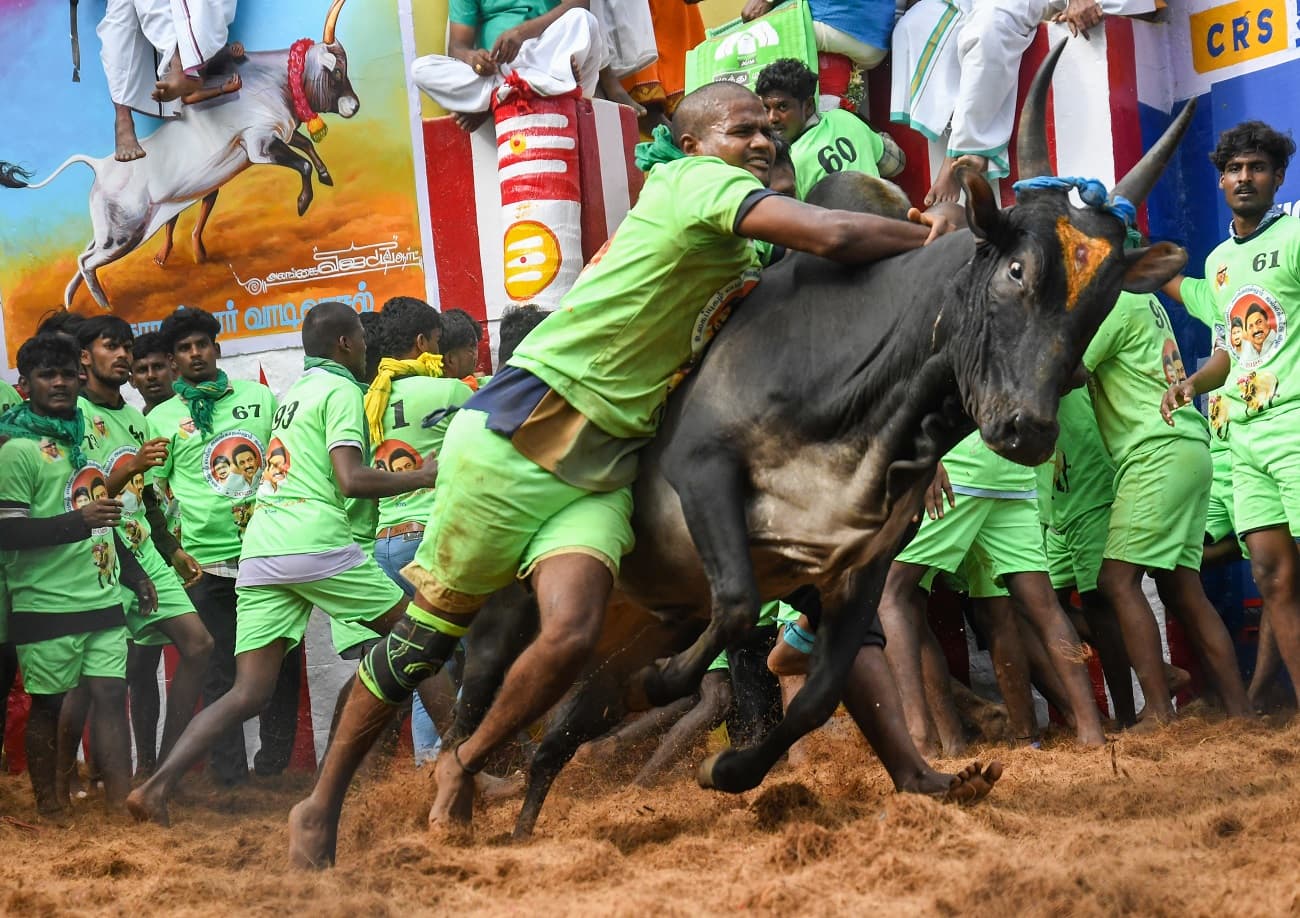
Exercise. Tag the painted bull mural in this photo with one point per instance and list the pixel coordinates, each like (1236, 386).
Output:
(190, 158)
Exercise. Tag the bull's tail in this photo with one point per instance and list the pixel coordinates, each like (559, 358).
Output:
(15, 176)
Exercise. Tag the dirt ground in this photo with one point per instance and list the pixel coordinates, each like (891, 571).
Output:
(1202, 818)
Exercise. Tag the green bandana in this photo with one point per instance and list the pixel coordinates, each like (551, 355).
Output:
(659, 150)
(333, 366)
(22, 421)
(200, 399)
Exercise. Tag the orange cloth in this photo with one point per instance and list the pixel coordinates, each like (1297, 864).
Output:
(678, 28)
(472, 381)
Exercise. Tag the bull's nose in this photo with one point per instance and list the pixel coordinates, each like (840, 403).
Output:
(348, 106)
(1022, 437)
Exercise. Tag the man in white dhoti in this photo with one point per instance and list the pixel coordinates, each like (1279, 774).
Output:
(956, 68)
(553, 47)
(157, 53)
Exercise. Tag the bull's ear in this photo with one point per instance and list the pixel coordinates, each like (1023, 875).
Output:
(328, 60)
(982, 213)
(1147, 270)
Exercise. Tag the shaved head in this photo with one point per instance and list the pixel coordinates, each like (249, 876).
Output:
(325, 325)
(701, 109)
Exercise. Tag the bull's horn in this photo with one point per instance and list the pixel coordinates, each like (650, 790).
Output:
(331, 20)
(1142, 178)
(1031, 140)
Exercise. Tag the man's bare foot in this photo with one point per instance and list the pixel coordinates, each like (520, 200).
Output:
(145, 806)
(613, 90)
(200, 250)
(126, 144)
(165, 250)
(947, 187)
(1179, 679)
(453, 807)
(972, 784)
(931, 782)
(231, 84)
(469, 121)
(313, 837)
(490, 788)
(175, 84)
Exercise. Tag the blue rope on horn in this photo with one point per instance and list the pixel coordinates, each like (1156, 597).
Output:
(1091, 191)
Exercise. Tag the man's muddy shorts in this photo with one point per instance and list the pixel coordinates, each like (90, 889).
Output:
(980, 541)
(496, 515)
(1074, 555)
(56, 666)
(172, 601)
(1266, 473)
(268, 613)
(1161, 497)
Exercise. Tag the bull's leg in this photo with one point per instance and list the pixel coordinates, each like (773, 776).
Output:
(712, 493)
(165, 250)
(275, 151)
(844, 625)
(200, 224)
(493, 644)
(89, 263)
(589, 712)
(301, 141)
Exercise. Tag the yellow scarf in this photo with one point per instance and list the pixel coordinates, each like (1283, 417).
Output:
(380, 390)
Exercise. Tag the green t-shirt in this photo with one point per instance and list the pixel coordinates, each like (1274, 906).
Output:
(975, 470)
(38, 481)
(1133, 360)
(113, 435)
(1083, 476)
(1253, 282)
(649, 302)
(300, 509)
(489, 18)
(215, 477)
(406, 441)
(8, 396)
(839, 142)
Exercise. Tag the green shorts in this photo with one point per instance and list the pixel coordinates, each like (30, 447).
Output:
(172, 601)
(265, 614)
(1220, 517)
(1001, 536)
(1074, 555)
(346, 636)
(1266, 474)
(497, 514)
(56, 666)
(1161, 496)
(4, 604)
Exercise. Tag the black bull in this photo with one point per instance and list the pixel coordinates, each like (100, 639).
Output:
(799, 451)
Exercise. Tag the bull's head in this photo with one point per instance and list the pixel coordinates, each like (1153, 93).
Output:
(325, 72)
(1044, 275)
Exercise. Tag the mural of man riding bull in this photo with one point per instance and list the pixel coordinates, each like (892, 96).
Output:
(188, 159)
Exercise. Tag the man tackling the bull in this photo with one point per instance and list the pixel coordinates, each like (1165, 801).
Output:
(563, 423)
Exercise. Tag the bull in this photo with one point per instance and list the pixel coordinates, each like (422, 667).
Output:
(191, 158)
(799, 451)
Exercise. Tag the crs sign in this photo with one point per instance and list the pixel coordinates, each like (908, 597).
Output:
(1235, 32)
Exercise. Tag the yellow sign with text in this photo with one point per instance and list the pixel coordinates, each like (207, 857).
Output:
(1235, 32)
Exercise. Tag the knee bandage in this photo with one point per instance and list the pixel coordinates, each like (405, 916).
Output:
(412, 652)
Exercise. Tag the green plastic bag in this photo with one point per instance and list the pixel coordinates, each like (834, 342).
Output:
(738, 50)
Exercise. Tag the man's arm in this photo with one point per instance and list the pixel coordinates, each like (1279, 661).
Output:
(356, 479)
(151, 454)
(1174, 288)
(21, 531)
(1208, 378)
(840, 235)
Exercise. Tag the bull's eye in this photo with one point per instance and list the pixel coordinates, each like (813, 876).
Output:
(1016, 271)
(338, 74)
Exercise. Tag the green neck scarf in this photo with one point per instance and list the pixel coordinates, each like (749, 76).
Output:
(333, 366)
(202, 399)
(22, 421)
(660, 149)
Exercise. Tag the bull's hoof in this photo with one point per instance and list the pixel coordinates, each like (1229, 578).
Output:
(325, 179)
(304, 202)
(645, 690)
(720, 772)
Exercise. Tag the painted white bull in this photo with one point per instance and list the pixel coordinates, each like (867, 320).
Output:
(192, 157)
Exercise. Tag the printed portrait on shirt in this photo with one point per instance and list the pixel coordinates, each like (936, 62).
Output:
(232, 464)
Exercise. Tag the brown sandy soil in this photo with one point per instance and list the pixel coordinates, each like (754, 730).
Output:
(1198, 819)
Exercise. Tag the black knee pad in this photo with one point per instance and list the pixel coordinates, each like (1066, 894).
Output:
(411, 653)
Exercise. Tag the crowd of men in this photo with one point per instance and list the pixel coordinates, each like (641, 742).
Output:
(218, 517)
